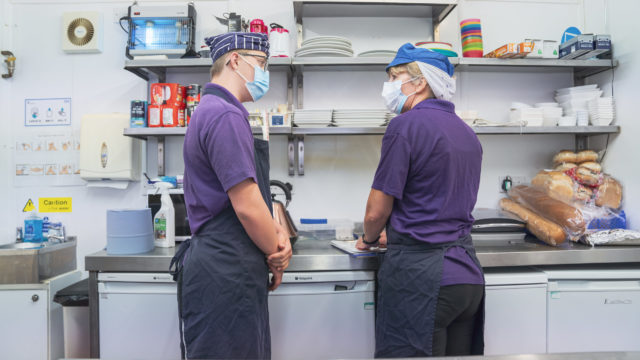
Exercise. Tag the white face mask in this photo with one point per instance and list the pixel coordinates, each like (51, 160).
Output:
(393, 96)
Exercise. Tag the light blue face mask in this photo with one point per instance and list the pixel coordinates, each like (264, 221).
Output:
(260, 84)
(393, 96)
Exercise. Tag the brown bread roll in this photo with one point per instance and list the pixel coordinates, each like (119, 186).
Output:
(588, 177)
(609, 193)
(557, 211)
(593, 166)
(556, 184)
(565, 166)
(542, 228)
(565, 156)
(586, 155)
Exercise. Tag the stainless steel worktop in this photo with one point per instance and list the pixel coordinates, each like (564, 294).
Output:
(314, 255)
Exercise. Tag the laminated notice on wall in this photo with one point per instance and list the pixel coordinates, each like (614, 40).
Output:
(47, 159)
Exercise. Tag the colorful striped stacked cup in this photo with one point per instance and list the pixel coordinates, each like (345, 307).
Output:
(471, 35)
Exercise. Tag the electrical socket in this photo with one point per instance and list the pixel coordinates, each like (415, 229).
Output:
(515, 181)
(119, 13)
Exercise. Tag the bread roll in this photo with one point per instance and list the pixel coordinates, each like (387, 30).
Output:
(586, 155)
(565, 166)
(565, 156)
(556, 184)
(557, 211)
(593, 166)
(588, 177)
(609, 193)
(583, 193)
(542, 228)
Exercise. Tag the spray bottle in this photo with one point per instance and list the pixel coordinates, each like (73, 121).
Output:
(164, 223)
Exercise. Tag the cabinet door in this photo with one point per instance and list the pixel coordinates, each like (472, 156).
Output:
(23, 315)
(515, 320)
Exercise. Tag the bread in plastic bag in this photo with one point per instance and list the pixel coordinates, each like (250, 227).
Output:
(545, 230)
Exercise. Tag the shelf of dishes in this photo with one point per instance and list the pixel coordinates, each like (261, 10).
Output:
(436, 9)
(148, 68)
(145, 133)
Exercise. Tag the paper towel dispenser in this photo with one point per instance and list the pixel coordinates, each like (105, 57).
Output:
(105, 153)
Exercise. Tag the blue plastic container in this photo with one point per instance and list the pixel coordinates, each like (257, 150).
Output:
(33, 229)
(129, 231)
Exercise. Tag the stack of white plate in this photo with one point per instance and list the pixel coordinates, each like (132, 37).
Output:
(526, 115)
(377, 53)
(602, 111)
(330, 46)
(576, 98)
(551, 113)
(360, 117)
(312, 118)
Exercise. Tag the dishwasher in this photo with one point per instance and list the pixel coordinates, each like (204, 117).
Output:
(593, 310)
(138, 316)
(323, 315)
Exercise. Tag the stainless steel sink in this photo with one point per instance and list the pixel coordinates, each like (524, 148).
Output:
(28, 263)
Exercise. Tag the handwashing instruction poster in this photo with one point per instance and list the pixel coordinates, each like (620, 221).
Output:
(47, 112)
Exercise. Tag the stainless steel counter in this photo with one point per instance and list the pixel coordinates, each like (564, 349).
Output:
(313, 255)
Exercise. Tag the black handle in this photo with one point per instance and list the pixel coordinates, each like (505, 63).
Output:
(276, 26)
(285, 187)
(35, 297)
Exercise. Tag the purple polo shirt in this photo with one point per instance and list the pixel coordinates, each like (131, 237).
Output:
(218, 154)
(430, 164)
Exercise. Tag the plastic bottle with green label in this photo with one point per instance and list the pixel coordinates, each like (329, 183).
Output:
(164, 223)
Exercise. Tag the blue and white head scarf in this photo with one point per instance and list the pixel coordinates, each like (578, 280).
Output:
(223, 43)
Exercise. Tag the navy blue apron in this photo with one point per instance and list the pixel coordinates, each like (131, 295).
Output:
(408, 288)
(223, 282)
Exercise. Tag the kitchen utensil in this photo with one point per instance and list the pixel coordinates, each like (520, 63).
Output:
(471, 36)
(280, 213)
(258, 26)
(234, 22)
(279, 41)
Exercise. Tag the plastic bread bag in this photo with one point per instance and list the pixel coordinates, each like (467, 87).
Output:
(569, 217)
(543, 229)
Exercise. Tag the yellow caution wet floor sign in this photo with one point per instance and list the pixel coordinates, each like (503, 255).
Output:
(29, 206)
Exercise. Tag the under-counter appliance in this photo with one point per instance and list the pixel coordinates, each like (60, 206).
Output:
(515, 311)
(162, 30)
(593, 309)
(323, 315)
(138, 316)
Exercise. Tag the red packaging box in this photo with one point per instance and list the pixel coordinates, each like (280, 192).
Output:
(172, 116)
(154, 114)
(168, 94)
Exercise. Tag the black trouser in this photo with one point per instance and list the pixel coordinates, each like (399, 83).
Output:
(455, 318)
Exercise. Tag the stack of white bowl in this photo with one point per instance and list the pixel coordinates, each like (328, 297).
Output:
(574, 101)
(551, 113)
(602, 111)
(526, 114)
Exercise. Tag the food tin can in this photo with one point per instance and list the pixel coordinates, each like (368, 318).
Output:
(193, 94)
(138, 113)
(154, 116)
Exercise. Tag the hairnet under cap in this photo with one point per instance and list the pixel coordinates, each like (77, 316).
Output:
(408, 53)
(223, 43)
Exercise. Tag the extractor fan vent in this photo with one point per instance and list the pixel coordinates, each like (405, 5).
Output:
(82, 32)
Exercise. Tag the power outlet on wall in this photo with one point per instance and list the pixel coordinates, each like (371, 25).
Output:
(119, 13)
(515, 181)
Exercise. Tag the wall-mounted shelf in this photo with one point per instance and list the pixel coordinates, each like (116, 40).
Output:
(296, 136)
(149, 69)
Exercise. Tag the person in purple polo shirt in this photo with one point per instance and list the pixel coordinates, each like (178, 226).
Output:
(430, 283)
(223, 271)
